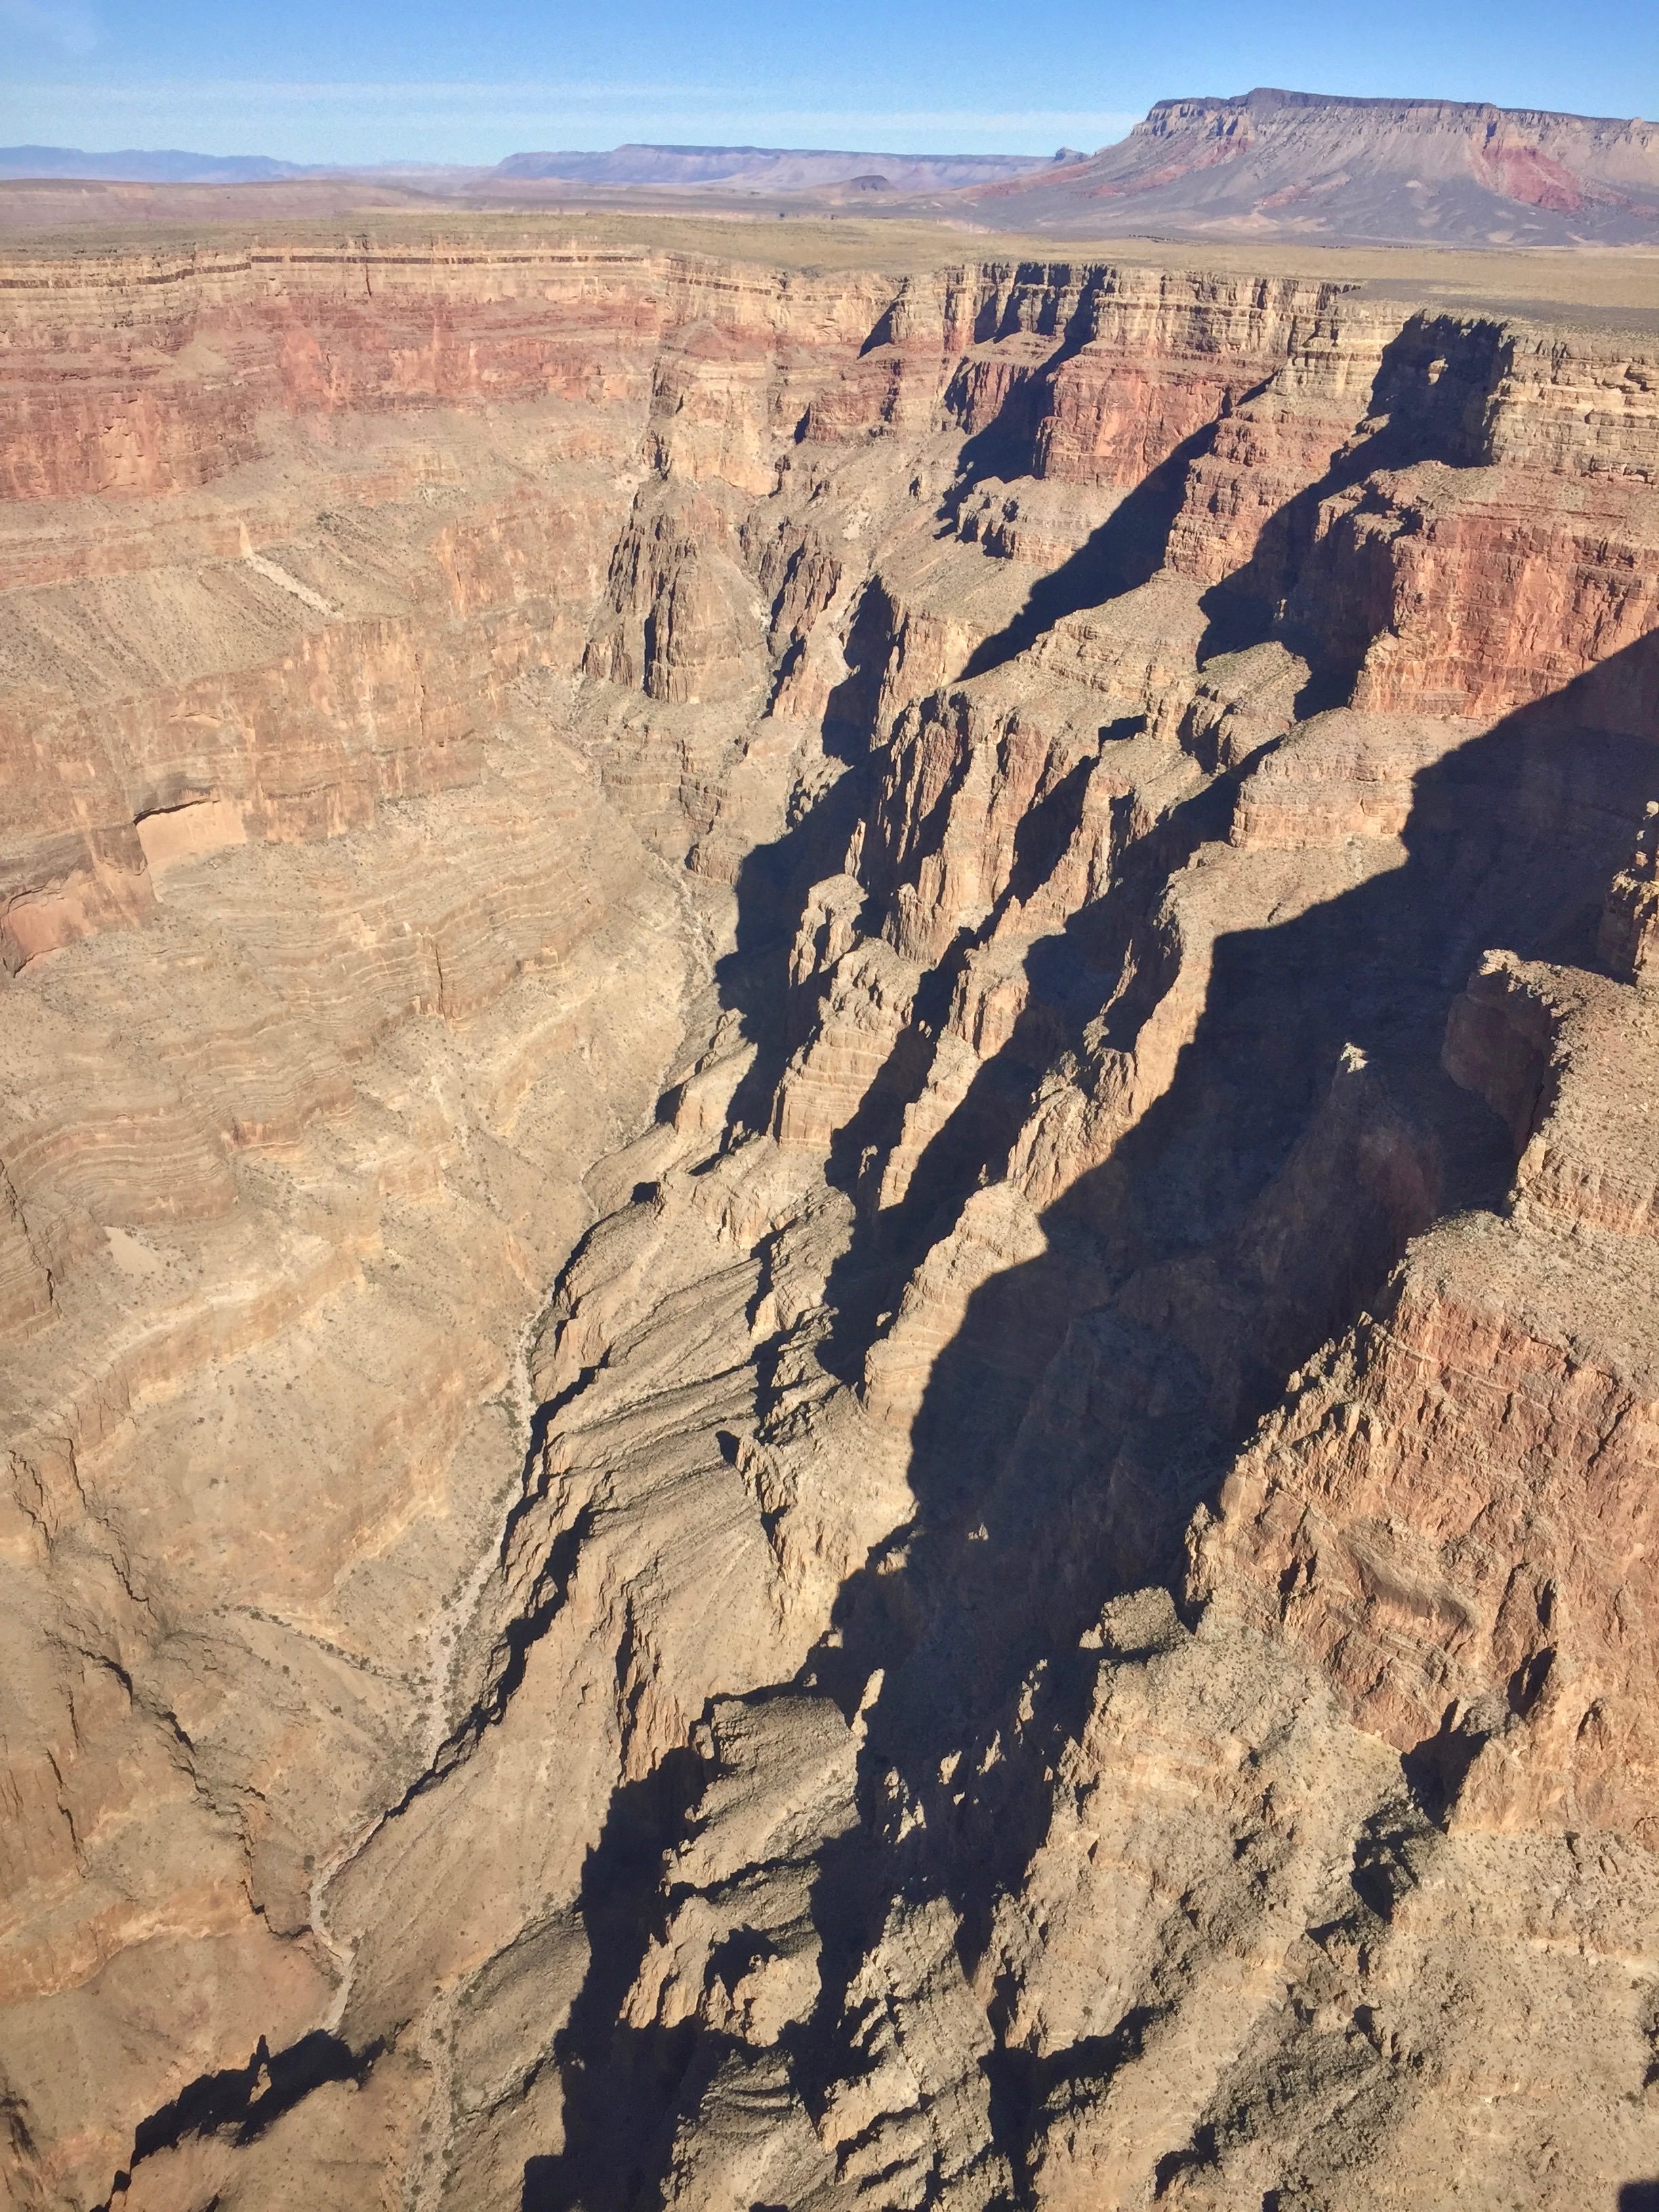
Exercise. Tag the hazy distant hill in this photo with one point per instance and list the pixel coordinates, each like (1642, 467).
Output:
(1297, 164)
(136, 165)
(770, 168)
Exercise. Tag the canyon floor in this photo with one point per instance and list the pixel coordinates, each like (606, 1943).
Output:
(829, 1179)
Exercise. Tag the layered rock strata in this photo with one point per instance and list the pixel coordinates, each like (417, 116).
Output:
(825, 1239)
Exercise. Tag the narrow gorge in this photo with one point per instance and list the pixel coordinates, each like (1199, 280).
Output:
(828, 1194)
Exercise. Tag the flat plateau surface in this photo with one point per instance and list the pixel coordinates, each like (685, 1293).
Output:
(1586, 285)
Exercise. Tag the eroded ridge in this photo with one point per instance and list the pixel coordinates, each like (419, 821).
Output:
(826, 1233)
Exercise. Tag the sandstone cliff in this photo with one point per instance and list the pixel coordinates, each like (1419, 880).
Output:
(826, 1238)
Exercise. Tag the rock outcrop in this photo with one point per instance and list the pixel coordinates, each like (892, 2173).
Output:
(826, 1211)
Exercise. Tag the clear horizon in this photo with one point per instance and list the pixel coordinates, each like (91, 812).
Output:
(369, 82)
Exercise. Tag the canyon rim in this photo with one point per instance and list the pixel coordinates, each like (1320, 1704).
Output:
(829, 1179)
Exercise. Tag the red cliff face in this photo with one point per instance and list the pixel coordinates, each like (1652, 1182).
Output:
(825, 1213)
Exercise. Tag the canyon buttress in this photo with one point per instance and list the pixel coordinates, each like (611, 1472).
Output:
(829, 1180)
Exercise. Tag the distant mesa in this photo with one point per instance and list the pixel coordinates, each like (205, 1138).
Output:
(1271, 164)
(624, 169)
(770, 168)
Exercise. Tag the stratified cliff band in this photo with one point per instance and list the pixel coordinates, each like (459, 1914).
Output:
(828, 1239)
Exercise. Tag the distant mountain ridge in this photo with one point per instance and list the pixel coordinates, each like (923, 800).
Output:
(1270, 163)
(141, 166)
(1267, 164)
(774, 168)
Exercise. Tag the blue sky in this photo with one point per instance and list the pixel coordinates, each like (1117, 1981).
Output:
(429, 80)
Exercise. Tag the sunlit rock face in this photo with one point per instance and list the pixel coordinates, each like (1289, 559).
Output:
(828, 1165)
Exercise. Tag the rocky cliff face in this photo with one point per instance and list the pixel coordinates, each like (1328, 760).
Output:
(826, 1241)
(1270, 164)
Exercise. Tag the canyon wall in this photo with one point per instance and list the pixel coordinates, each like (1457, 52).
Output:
(827, 1238)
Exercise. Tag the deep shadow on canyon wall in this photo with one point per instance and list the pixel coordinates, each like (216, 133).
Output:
(1251, 1214)
(1254, 1210)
